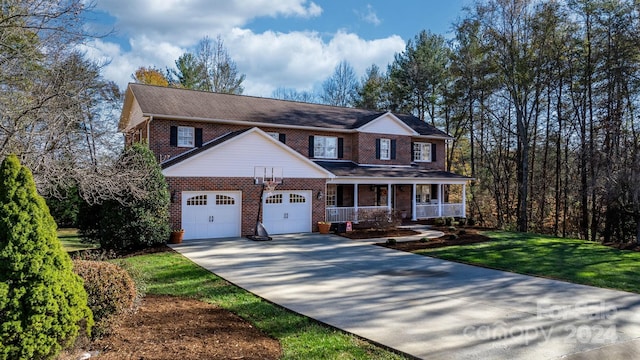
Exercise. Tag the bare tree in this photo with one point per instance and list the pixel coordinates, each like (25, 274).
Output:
(56, 112)
(340, 88)
(220, 72)
(283, 93)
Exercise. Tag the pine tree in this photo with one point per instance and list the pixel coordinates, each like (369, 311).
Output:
(42, 302)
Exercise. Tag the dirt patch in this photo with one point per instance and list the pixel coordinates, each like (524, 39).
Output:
(167, 327)
(471, 236)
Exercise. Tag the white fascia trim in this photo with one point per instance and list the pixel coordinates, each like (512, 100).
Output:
(385, 165)
(394, 180)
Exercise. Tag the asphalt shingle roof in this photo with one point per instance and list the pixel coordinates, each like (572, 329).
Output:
(351, 169)
(183, 103)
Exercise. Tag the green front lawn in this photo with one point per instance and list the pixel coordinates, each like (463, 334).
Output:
(71, 241)
(301, 338)
(577, 261)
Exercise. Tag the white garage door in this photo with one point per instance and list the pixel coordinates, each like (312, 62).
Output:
(287, 212)
(209, 214)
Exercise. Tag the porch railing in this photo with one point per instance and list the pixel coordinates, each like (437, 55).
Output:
(344, 214)
(428, 211)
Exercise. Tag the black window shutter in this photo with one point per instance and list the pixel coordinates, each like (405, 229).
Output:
(433, 152)
(282, 138)
(339, 195)
(413, 153)
(377, 148)
(198, 137)
(173, 136)
(393, 149)
(340, 148)
(434, 191)
(311, 146)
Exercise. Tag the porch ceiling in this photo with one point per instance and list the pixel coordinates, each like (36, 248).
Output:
(348, 170)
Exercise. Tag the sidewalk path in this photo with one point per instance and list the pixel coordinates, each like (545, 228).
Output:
(426, 307)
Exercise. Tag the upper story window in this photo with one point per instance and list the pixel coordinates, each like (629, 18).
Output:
(278, 136)
(325, 147)
(385, 149)
(186, 136)
(422, 152)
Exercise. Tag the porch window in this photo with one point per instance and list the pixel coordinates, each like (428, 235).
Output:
(325, 147)
(332, 196)
(422, 151)
(423, 194)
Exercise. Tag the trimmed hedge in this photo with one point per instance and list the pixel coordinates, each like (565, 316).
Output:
(110, 289)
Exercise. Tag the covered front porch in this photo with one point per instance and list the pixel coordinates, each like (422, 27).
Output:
(409, 191)
(353, 200)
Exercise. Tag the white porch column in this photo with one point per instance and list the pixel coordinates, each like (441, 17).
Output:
(389, 197)
(464, 200)
(440, 196)
(355, 203)
(414, 208)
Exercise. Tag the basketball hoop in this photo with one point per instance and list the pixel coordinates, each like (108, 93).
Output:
(269, 186)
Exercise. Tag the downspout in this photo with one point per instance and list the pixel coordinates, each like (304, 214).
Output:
(149, 130)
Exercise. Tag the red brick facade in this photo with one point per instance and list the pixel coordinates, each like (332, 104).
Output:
(358, 147)
(250, 196)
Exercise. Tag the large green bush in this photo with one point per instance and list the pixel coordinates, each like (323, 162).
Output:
(110, 289)
(132, 221)
(43, 304)
(64, 206)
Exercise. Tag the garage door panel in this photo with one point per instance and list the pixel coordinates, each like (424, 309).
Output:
(211, 214)
(287, 212)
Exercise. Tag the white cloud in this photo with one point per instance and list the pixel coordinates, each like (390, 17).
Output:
(183, 22)
(369, 15)
(301, 60)
(159, 32)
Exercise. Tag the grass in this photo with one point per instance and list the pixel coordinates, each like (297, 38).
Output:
(577, 261)
(301, 338)
(71, 241)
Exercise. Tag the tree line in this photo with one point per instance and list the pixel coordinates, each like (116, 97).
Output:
(541, 99)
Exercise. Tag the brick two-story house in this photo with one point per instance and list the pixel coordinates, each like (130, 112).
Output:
(335, 164)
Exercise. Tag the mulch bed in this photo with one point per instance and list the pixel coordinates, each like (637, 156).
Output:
(370, 234)
(410, 246)
(174, 328)
(470, 237)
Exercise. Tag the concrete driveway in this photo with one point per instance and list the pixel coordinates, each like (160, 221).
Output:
(425, 307)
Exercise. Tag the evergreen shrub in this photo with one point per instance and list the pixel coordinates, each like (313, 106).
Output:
(43, 304)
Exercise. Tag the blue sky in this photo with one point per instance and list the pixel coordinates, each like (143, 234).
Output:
(284, 43)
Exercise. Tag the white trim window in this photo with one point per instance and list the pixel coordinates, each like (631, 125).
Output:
(325, 147)
(274, 135)
(186, 136)
(385, 149)
(423, 194)
(422, 152)
(332, 192)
